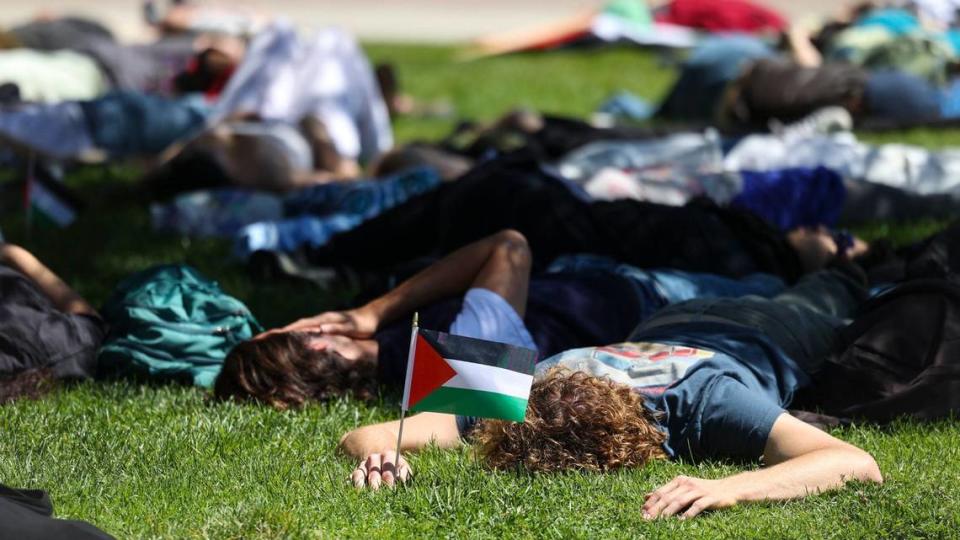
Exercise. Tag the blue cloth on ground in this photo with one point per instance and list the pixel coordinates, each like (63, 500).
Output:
(660, 287)
(215, 212)
(288, 235)
(678, 286)
(628, 106)
(365, 197)
(950, 100)
(130, 123)
(319, 212)
(900, 96)
(791, 198)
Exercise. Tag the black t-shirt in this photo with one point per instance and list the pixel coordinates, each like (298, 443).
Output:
(35, 334)
(564, 311)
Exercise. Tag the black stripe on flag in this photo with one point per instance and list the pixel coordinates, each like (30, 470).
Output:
(479, 351)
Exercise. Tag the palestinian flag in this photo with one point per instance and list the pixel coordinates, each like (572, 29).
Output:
(466, 376)
(48, 200)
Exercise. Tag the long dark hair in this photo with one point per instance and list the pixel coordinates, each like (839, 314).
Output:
(280, 370)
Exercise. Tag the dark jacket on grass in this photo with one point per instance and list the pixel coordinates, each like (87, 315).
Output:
(514, 192)
(34, 334)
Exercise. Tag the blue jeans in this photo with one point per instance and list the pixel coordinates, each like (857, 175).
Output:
(131, 123)
(661, 287)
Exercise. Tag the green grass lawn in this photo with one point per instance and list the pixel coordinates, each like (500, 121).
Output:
(146, 462)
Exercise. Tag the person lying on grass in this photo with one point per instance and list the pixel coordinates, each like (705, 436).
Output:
(702, 379)
(514, 192)
(47, 331)
(482, 290)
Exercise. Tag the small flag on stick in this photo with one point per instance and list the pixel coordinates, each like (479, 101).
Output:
(469, 377)
(46, 200)
(466, 376)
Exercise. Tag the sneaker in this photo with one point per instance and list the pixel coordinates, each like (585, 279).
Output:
(820, 122)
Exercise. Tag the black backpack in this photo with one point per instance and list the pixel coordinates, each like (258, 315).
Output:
(900, 357)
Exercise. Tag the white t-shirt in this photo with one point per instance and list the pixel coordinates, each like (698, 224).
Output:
(284, 78)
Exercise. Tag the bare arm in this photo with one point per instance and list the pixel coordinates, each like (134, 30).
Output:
(801, 459)
(545, 33)
(419, 430)
(375, 446)
(63, 297)
(801, 47)
(500, 263)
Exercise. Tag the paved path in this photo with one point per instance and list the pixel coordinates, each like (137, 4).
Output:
(375, 20)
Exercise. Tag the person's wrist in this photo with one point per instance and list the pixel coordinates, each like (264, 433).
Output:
(741, 488)
(366, 440)
(374, 312)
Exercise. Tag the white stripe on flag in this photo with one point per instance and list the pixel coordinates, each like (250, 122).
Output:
(471, 376)
(50, 204)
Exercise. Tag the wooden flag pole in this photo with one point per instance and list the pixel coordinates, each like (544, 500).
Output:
(403, 406)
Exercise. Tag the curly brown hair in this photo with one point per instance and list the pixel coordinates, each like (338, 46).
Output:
(282, 371)
(574, 421)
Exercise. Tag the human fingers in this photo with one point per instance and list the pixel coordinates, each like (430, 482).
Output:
(654, 498)
(301, 324)
(359, 475)
(317, 321)
(657, 509)
(373, 471)
(404, 472)
(389, 468)
(698, 506)
(680, 500)
(667, 488)
(858, 248)
(338, 329)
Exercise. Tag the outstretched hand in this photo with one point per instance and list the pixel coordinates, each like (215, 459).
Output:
(356, 323)
(688, 497)
(378, 469)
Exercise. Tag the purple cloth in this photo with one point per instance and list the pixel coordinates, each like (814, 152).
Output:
(791, 198)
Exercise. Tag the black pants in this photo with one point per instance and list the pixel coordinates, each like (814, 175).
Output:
(513, 192)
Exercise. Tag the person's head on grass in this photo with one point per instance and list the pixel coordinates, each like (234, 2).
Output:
(574, 421)
(289, 369)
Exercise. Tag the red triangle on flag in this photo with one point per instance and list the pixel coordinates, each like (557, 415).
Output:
(430, 371)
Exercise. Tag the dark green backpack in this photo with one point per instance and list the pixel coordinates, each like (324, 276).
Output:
(172, 323)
